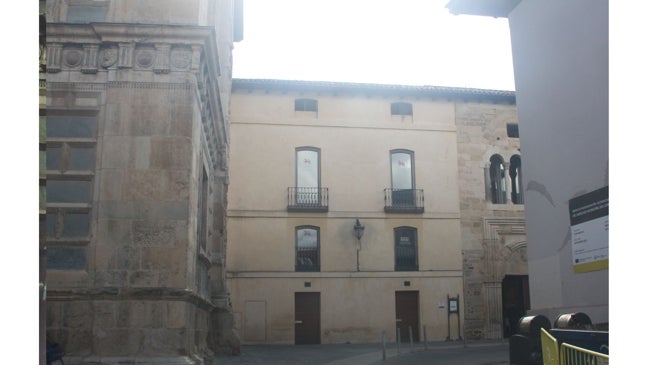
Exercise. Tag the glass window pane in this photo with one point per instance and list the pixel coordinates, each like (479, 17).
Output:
(76, 224)
(307, 250)
(66, 258)
(307, 169)
(405, 249)
(68, 191)
(401, 169)
(307, 238)
(50, 224)
(81, 158)
(86, 13)
(71, 126)
(53, 158)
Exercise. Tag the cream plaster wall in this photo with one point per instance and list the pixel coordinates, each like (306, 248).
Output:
(355, 147)
(355, 134)
(347, 314)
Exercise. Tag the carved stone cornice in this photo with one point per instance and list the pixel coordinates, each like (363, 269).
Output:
(159, 48)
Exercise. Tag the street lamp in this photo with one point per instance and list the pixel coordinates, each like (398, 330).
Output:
(358, 233)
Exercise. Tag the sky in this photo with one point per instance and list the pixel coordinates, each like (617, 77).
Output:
(405, 42)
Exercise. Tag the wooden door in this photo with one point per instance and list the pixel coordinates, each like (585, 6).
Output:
(407, 314)
(307, 318)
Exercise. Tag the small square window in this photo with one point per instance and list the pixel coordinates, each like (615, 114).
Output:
(513, 130)
(401, 108)
(306, 105)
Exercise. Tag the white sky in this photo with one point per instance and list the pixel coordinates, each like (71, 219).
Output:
(408, 42)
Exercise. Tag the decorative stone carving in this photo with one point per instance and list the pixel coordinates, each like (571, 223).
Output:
(72, 57)
(144, 58)
(162, 59)
(89, 65)
(54, 53)
(108, 56)
(125, 55)
(181, 59)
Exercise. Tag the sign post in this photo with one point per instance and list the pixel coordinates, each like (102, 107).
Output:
(453, 307)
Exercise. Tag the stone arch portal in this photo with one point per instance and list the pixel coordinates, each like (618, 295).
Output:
(505, 278)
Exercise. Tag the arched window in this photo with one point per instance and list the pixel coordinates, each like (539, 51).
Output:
(402, 178)
(307, 248)
(307, 176)
(497, 180)
(406, 249)
(516, 180)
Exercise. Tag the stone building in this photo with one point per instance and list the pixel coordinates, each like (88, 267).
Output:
(314, 162)
(137, 176)
(492, 219)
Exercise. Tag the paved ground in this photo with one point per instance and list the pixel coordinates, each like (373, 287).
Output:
(448, 353)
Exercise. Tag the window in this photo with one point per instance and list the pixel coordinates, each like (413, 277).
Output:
(406, 249)
(402, 178)
(307, 248)
(308, 176)
(87, 11)
(512, 130)
(70, 165)
(401, 108)
(306, 105)
(202, 211)
(516, 180)
(497, 180)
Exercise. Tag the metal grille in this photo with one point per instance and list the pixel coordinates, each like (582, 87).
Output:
(404, 200)
(310, 199)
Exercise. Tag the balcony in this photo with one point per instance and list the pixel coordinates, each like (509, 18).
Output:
(308, 200)
(404, 201)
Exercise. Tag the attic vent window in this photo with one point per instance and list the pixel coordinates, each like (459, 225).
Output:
(401, 108)
(513, 130)
(306, 105)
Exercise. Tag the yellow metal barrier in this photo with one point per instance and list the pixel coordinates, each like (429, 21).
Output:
(574, 355)
(568, 354)
(550, 352)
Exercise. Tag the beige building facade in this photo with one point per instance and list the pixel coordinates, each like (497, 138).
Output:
(312, 160)
(137, 161)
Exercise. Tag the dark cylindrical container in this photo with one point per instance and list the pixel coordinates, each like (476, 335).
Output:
(575, 321)
(531, 325)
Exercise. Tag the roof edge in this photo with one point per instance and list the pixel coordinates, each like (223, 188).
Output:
(334, 87)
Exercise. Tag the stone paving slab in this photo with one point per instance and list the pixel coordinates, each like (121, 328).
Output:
(342, 354)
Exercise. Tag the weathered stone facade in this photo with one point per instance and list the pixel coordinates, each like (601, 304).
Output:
(493, 234)
(137, 138)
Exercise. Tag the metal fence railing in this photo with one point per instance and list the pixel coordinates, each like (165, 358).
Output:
(567, 354)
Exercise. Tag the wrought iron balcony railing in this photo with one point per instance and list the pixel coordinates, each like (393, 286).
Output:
(403, 201)
(308, 199)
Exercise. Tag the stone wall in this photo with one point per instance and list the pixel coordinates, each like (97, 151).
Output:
(482, 133)
(143, 287)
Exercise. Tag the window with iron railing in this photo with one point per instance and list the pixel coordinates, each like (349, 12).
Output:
(307, 248)
(307, 194)
(406, 249)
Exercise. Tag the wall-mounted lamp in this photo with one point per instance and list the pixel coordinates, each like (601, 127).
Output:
(358, 233)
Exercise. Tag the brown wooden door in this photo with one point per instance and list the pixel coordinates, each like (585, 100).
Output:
(307, 320)
(407, 309)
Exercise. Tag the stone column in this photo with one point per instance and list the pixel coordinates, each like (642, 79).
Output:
(506, 166)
